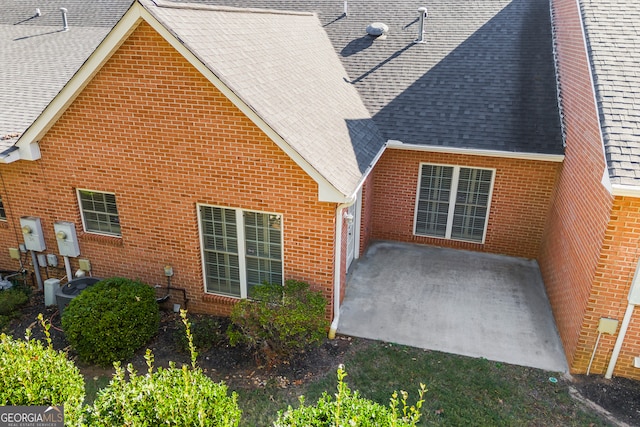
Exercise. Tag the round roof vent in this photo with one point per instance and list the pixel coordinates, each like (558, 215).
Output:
(377, 29)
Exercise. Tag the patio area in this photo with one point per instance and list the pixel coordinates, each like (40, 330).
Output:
(454, 301)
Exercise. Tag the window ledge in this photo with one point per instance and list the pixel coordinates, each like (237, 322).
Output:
(101, 238)
(221, 299)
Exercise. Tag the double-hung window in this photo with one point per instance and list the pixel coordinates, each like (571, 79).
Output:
(99, 212)
(241, 249)
(3, 213)
(453, 202)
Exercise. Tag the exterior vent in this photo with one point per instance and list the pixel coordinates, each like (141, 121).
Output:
(65, 24)
(421, 18)
(377, 29)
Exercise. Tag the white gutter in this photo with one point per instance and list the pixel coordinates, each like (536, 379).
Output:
(476, 152)
(337, 270)
(625, 190)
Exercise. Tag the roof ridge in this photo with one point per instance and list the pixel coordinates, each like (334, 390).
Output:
(194, 6)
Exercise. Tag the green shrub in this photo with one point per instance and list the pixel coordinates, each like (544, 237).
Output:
(10, 302)
(350, 409)
(110, 320)
(34, 374)
(279, 321)
(181, 397)
(206, 330)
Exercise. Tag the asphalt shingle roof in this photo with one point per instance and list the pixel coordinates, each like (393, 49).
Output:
(284, 67)
(37, 58)
(483, 80)
(613, 35)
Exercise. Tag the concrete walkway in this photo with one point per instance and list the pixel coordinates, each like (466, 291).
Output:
(460, 302)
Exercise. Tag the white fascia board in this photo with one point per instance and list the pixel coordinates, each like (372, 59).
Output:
(558, 158)
(625, 190)
(10, 155)
(28, 141)
(326, 191)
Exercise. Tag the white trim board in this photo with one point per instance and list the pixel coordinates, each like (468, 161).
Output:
(399, 145)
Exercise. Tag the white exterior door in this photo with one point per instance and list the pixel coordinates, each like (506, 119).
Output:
(351, 233)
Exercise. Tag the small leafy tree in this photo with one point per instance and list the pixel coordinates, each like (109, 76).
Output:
(34, 374)
(350, 409)
(110, 320)
(180, 397)
(279, 321)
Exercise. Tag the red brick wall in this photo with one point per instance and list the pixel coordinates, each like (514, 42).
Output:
(520, 202)
(615, 270)
(581, 208)
(155, 132)
(366, 213)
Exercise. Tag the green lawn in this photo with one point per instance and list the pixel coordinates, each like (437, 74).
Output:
(461, 391)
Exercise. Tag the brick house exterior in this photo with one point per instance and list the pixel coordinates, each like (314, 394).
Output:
(149, 126)
(590, 250)
(157, 187)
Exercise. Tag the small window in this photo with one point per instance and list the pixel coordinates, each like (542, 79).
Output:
(99, 212)
(453, 202)
(241, 249)
(3, 213)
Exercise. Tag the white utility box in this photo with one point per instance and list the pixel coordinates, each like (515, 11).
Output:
(51, 286)
(32, 233)
(67, 238)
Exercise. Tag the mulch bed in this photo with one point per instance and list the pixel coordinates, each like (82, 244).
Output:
(237, 366)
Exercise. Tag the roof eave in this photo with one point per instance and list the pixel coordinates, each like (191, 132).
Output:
(477, 152)
(625, 190)
(28, 141)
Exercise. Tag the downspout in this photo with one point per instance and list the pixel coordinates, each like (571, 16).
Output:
(616, 349)
(338, 261)
(634, 299)
(337, 271)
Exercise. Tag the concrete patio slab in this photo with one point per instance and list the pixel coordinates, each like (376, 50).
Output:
(454, 301)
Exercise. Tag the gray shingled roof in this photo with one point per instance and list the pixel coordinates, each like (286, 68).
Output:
(484, 79)
(613, 34)
(284, 67)
(37, 58)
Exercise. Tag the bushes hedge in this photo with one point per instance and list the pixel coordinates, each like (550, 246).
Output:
(350, 409)
(10, 302)
(34, 374)
(279, 321)
(180, 397)
(110, 320)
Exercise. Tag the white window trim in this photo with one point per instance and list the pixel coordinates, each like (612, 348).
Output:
(452, 202)
(242, 253)
(84, 224)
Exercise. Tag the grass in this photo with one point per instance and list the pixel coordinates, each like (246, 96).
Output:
(461, 390)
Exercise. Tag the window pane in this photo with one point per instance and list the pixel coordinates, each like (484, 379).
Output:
(433, 200)
(263, 241)
(220, 245)
(472, 201)
(3, 213)
(100, 212)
